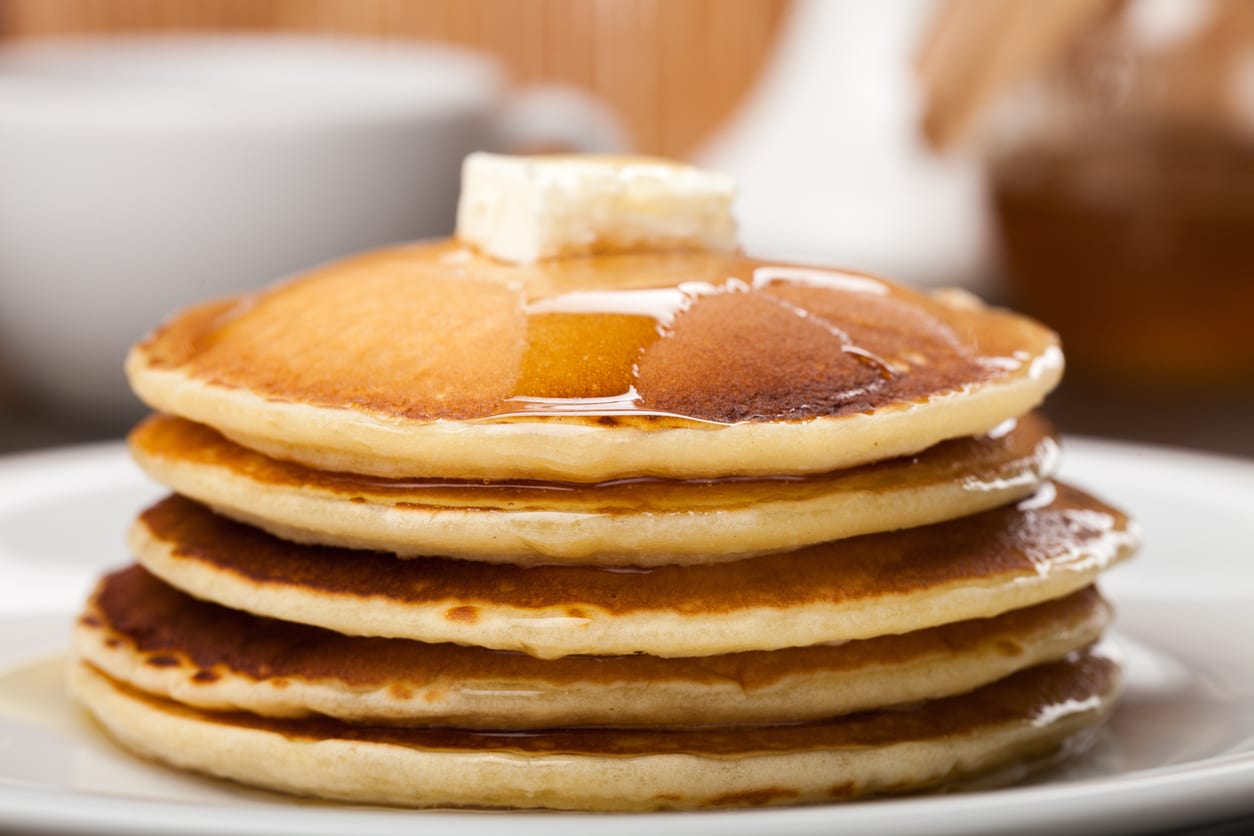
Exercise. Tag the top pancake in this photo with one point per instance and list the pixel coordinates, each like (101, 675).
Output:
(430, 360)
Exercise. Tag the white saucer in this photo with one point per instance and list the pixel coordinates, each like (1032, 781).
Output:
(1180, 749)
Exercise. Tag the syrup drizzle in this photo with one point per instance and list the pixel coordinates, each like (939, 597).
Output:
(662, 307)
(654, 341)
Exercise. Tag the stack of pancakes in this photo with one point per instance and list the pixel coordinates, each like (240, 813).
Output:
(633, 531)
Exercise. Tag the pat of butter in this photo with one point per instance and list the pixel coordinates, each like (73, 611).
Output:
(527, 209)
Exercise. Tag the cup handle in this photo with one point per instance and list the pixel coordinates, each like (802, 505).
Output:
(549, 118)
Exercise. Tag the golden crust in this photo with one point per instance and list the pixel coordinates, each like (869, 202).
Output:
(143, 632)
(895, 582)
(431, 361)
(637, 522)
(1023, 717)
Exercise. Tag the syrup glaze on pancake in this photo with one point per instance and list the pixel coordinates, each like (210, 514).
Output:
(1024, 715)
(149, 635)
(1010, 557)
(376, 365)
(436, 332)
(641, 522)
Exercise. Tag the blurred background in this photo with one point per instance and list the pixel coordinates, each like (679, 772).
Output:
(1089, 161)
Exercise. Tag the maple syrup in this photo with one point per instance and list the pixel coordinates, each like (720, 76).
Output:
(435, 332)
(1138, 250)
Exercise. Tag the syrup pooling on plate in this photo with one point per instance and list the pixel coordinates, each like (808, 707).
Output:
(436, 332)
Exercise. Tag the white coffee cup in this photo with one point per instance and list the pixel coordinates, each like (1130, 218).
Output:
(138, 175)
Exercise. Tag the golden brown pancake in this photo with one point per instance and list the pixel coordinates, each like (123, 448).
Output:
(1045, 547)
(432, 361)
(150, 636)
(635, 522)
(1025, 716)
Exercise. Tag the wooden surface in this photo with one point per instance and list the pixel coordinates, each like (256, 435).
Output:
(673, 69)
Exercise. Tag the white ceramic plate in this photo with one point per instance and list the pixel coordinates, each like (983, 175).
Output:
(1179, 750)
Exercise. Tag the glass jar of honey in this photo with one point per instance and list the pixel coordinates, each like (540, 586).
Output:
(1122, 182)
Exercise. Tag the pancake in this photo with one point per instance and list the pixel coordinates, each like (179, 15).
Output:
(630, 522)
(1025, 716)
(432, 361)
(150, 636)
(1044, 547)
(637, 522)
